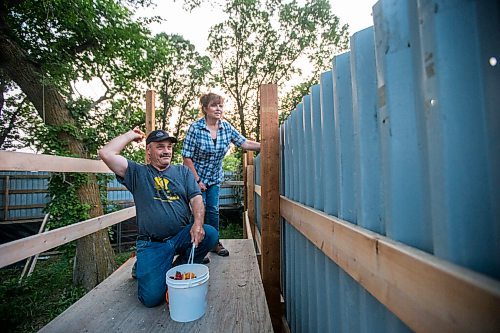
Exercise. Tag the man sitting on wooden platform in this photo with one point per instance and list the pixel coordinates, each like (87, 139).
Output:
(163, 194)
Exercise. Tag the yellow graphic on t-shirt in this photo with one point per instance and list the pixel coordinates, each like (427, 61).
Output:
(163, 192)
(161, 183)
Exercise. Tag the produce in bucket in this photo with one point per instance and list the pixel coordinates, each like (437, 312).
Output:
(185, 276)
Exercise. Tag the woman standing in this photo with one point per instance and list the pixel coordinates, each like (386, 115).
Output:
(207, 142)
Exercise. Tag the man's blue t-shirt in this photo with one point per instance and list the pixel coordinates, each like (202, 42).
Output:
(161, 197)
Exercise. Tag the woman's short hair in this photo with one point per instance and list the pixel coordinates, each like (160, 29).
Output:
(206, 99)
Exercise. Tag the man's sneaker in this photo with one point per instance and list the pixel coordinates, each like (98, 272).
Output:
(220, 250)
(205, 260)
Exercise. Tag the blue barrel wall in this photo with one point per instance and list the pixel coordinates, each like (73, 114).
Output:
(401, 137)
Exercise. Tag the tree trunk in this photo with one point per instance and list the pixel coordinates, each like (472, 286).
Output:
(241, 113)
(94, 256)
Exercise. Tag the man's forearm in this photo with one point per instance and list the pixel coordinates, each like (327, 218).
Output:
(110, 152)
(116, 145)
(198, 209)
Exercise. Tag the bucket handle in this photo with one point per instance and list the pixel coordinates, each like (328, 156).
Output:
(191, 261)
(191, 255)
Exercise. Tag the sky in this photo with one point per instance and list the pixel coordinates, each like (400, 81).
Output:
(194, 26)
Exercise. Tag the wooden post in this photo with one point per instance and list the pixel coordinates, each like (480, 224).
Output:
(251, 200)
(244, 172)
(250, 190)
(150, 113)
(249, 157)
(270, 200)
(245, 193)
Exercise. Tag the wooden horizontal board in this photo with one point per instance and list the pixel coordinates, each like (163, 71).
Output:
(15, 161)
(425, 292)
(15, 176)
(248, 228)
(235, 301)
(258, 190)
(20, 249)
(17, 220)
(232, 183)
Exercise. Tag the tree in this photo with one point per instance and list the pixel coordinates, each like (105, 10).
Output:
(264, 42)
(178, 73)
(46, 47)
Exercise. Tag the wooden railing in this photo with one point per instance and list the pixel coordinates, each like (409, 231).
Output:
(26, 247)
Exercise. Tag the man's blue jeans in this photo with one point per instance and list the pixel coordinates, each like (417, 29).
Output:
(154, 259)
(211, 201)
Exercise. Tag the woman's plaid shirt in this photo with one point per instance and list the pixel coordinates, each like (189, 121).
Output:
(207, 157)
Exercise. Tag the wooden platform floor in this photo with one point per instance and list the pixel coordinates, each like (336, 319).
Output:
(235, 301)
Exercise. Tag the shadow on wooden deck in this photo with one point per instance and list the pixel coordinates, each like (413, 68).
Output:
(235, 301)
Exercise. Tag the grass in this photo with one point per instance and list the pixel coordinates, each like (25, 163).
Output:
(30, 305)
(231, 231)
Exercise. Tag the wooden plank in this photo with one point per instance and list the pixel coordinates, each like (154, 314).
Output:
(150, 111)
(247, 228)
(251, 197)
(23, 248)
(250, 158)
(228, 196)
(15, 161)
(26, 206)
(33, 176)
(232, 183)
(427, 293)
(17, 220)
(258, 190)
(245, 192)
(28, 191)
(258, 247)
(6, 198)
(270, 200)
(235, 301)
(150, 115)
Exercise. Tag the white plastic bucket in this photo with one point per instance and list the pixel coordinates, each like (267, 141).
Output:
(187, 298)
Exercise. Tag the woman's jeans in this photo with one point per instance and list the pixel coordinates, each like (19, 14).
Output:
(154, 259)
(211, 201)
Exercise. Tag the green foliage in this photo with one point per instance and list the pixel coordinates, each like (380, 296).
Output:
(65, 208)
(231, 163)
(178, 72)
(263, 42)
(292, 98)
(231, 231)
(102, 181)
(28, 306)
(76, 41)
